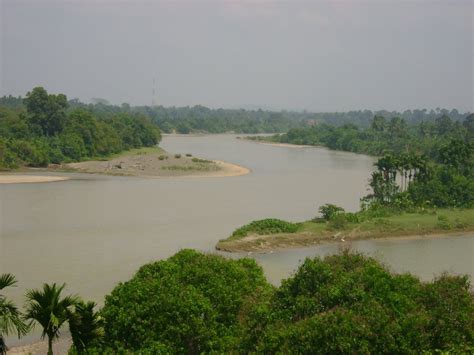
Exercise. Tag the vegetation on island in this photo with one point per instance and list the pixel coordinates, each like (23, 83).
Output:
(411, 194)
(44, 130)
(195, 303)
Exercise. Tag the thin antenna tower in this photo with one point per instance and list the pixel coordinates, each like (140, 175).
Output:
(153, 93)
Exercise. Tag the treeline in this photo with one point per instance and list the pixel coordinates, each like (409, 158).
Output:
(408, 180)
(429, 164)
(194, 303)
(383, 135)
(202, 119)
(42, 129)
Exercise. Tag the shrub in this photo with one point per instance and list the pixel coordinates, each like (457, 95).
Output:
(189, 303)
(266, 226)
(350, 303)
(338, 221)
(177, 156)
(328, 211)
(189, 155)
(203, 161)
(162, 157)
(444, 223)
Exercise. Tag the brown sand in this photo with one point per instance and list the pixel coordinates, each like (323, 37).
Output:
(60, 347)
(23, 179)
(149, 165)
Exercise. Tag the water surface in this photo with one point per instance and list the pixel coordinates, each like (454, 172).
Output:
(94, 231)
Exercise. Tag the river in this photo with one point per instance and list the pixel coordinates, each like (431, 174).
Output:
(94, 231)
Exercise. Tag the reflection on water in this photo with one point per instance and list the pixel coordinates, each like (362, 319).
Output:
(94, 231)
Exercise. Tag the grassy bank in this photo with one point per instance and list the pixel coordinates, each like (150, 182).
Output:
(260, 236)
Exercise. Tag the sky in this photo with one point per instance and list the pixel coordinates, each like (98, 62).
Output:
(295, 55)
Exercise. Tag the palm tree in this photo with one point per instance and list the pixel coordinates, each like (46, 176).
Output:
(86, 326)
(10, 317)
(50, 310)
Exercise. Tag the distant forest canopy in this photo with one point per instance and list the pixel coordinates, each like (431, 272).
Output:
(202, 119)
(383, 135)
(43, 128)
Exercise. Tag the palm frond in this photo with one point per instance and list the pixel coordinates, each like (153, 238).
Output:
(7, 280)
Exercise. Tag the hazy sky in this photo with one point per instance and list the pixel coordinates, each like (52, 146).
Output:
(314, 55)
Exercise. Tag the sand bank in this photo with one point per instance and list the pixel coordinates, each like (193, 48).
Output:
(158, 163)
(23, 179)
(60, 347)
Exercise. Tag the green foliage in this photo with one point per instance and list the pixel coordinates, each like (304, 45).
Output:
(203, 161)
(338, 221)
(86, 326)
(349, 303)
(49, 309)
(266, 226)
(444, 223)
(189, 303)
(328, 211)
(177, 156)
(10, 317)
(47, 133)
(46, 112)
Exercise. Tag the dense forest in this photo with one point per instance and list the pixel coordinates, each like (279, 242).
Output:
(43, 129)
(383, 135)
(206, 120)
(194, 303)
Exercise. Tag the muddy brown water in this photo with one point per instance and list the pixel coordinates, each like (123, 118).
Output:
(94, 231)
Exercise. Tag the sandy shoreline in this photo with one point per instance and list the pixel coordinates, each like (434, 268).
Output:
(157, 163)
(60, 347)
(142, 163)
(226, 170)
(29, 179)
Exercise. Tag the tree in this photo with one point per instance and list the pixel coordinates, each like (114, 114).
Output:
(351, 304)
(46, 307)
(329, 211)
(379, 124)
(469, 124)
(10, 316)
(86, 326)
(46, 112)
(189, 303)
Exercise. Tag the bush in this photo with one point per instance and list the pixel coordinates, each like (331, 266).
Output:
(346, 303)
(266, 226)
(328, 211)
(338, 221)
(177, 156)
(203, 161)
(351, 304)
(162, 157)
(31, 153)
(189, 303)
(444, 223)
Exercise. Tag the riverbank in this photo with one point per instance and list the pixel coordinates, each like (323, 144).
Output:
(28, 179)
(60, 347)
(266, 140)
(310, 233)
(156, 162)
